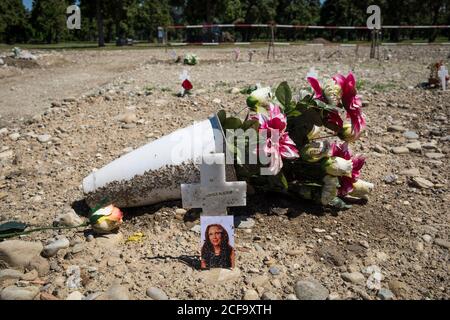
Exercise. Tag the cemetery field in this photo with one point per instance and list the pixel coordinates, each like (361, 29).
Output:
(69, 112)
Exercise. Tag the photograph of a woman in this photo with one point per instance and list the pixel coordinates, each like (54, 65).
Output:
(217, 252)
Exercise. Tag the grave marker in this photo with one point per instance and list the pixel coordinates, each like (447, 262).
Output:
(443, 74)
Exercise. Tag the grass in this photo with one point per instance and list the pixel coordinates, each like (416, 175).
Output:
(383, 87)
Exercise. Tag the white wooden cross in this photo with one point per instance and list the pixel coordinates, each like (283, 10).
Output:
(214, 194)
(443, 74)
(237, 53)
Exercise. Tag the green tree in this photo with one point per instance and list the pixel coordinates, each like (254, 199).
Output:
(14, 25)
(48, 18)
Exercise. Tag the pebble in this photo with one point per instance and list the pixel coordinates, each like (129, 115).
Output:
(442, 243)
(385, 294)
(44, 138)
(196, 229)
(180, 211)
(78, 248)
(10, 274)
(414, 172)
(3, 131)
(109, 240)
(52, 249)
(353, 277)
(274, 271)
(400, 289)
(379, 149)
(434, 155)
(414, 146)
(76, 295)
(19, 293)
(317, 230)
(156, 294)
(250, 294)
(391, 178)
(18, 253)
(217, 101)
(14, 136)
(311, 290)
(116, 292)
(30, 276)
(422, 183)
(427, 238)
(400, 150)
(396, 128)
(411, 135)
(5, 155)
(129, 126)
(269, 296)
(244, 222)
(68, 219)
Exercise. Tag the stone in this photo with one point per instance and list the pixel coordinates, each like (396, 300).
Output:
(6, 155)
(116, 292)
(258, 281)
(353, 277)
(14, 136)
(45, 296)
(269, 296)
(274, 271)
(379, 149)
(434, 155)
(10, 274)
(317, 230)
(442, 243)
(311, 290)
(19, 293)
(414, 172)
(3, 131)
(389, 179)
(400, 289)
(156, 294)
(41, 265)
(250, 294)
(18, 253)
(109, 240)
(30, 276)
(235, 91)
(196, 229)
(219, 275)
(217, 101)
(68, 219)
(52, 249)
(427, 238)
(44, 138)
(78, 248)
(128, 118)
(396, 128)
(76, 295)
(244, 222)
(400, 150)
(385, 294)
(422, 183)
(411, 135)
(414, 146)
(332, 256)
(180, 211)
(291, 296)
(129, 126)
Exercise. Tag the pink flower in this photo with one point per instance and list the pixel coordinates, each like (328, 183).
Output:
(278, 144)
(351, 101)
(358, 162)
(317, 88)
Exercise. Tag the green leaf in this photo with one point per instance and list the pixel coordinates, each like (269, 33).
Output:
(294, 113)
(222, 115)
(283, 180)
(338, 203)
(284, 94)
(232, 123)
(12, 226)
(250, 124)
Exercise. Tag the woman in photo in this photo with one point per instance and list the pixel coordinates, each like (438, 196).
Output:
(216, 251)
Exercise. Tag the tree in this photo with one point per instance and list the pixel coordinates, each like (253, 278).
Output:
(48, 18)
(14, 25)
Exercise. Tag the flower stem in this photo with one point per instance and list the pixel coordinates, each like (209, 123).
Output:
(15, 234)
(330, 136)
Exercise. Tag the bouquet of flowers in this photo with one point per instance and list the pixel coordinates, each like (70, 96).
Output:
(190, 59)
(296, 154)
(434, 79)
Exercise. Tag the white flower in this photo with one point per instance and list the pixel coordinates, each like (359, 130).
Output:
(259, 98)
(338, 167)
(314, 133)
(361, 189)
(329, 189)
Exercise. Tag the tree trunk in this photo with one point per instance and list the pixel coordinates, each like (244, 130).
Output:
(101, 35)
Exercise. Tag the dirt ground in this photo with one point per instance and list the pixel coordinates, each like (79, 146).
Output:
(65, 117)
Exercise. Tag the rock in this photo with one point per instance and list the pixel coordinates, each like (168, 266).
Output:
(353, 277)
(269, 296)
(44, 138)
(68, 219)
(18, 253)
(156, 294)
(76, 295)
(115, 292)
(385, 294)
(2, 62)
(52, 249)
(400, 150)
(411, 135)
(14, 136)
(3, 131)
(219, 275)
(434, 155)
(379, 149)
(310, 290)
(40, 264)
(78, 248)
(317, 230)
(430, 146)
(391, 178)
(332, 256)
(244, 222)
(400, 289)
(19, 293)
(6, 155)
(414, 172)
(180, 211)
(274, 271)
(127, 118)
(422, 183)
(235, 91)
(396, 129)
(30, 276)
(375, 277)
(196, 229)
(414, 146)
(442, 243)
(48, 297)
(10, 274)
(109, 240)
(217, 101)
(129, 126)
(250, 294)
(427, 238)
(258, 281)
(291, 296)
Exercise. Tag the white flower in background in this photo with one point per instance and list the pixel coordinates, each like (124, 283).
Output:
(259, 98)
(362, 189)
(190, 59)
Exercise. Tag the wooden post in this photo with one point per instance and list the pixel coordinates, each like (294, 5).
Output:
(372, 45)
(166, 42)
(272, 41)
